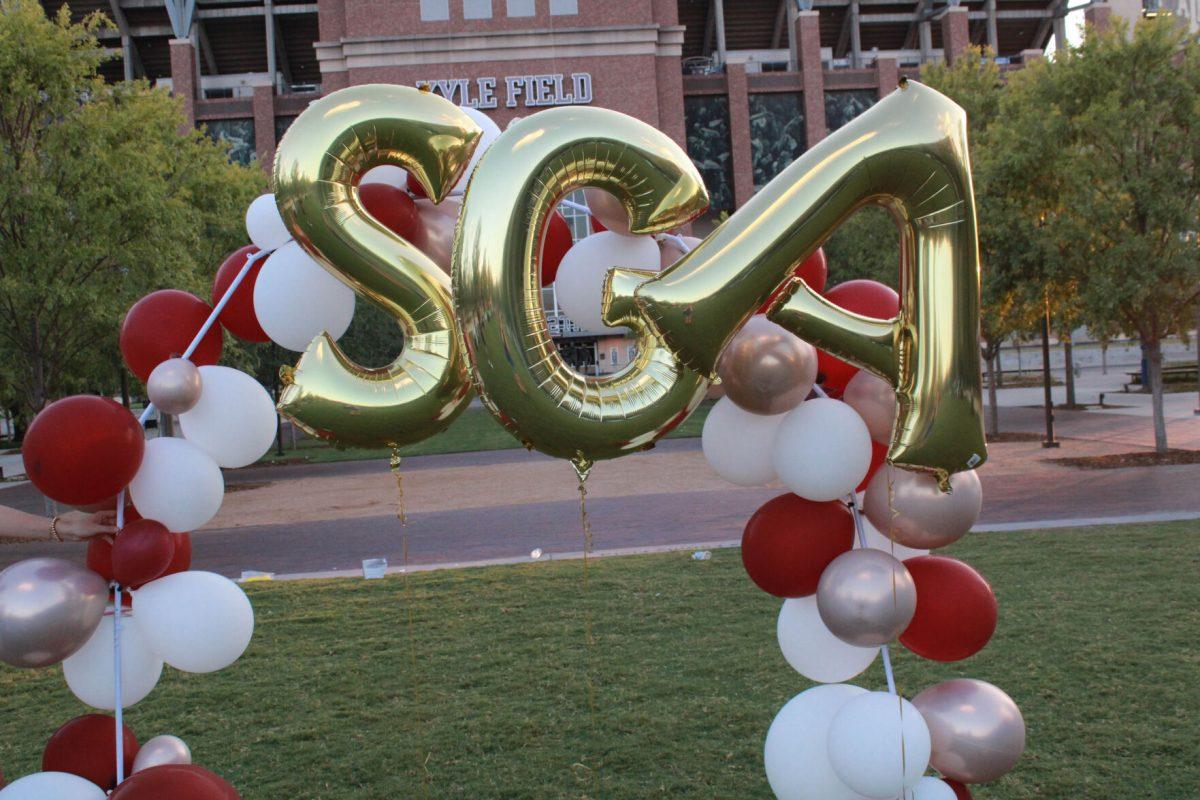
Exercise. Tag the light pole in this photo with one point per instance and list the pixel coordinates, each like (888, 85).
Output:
(1046, 377)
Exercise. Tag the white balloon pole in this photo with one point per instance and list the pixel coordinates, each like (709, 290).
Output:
(204, 329)
(884, 653)
(118, 713)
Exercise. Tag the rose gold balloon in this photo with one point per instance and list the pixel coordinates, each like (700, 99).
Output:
(920, 515)
(435, 229)
(765, 369)
(866, 597)
(669, 250)
(977, 731)
(875, 401)
(608, 209)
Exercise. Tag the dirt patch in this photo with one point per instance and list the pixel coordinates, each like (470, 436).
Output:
(1123, 460)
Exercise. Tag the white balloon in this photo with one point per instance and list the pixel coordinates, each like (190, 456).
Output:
(878, 541)
(264, 225)
(52, 786)
(929, 788)
(296, 299)
(879, 745)
(197, 621)
(89, 672)
(737, 444)
(387, 174)
(811, 648)
(580, 280)
(822, 450)
(178, 484)
(234, 421)
(491, 132)
(796, 753)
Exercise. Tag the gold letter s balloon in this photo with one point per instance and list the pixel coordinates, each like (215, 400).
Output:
(521, 376)
(320, 159)
(909, 154)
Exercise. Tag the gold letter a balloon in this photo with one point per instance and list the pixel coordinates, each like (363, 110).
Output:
(909, 154)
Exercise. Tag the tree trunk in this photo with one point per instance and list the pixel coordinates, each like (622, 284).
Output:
(124, 386)
(37, 387)
(1153, 352)
(993, 416)
(1069, 368)
(1104, 358)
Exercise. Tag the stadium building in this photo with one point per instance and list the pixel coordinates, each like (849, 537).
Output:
(745, 85)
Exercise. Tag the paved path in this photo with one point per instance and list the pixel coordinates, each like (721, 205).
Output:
(502, 505)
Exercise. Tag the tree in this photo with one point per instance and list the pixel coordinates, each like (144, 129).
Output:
(105, 194)
(1106, 137)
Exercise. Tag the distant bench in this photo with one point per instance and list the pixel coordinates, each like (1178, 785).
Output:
(1176, 373)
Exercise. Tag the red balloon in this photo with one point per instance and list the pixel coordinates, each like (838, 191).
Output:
(415, 189)
(181, 560)
(238, 314)
(83, 449)
(161, 325)
(141, 552)
(597, 225)
(555, 243)
(176, 782)
(878, 456)
(956, 609)
(815, 272)
(961, 792)
(391, 206)
(99, 556)
(868, 298)
(789, 542)
(86, 746)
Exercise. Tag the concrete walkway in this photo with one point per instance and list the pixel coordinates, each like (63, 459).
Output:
(484, 507)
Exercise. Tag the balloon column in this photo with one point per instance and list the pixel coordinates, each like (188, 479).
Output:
(90, 451)
(855, 573)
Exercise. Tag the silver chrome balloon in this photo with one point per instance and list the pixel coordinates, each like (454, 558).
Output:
(918, 514)
(977, 731)
(767, 370)
(49, 608)
(174, 386)
(162, 750)
(866, 597)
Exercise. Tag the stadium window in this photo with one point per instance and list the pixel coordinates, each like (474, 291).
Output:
(612, 355)
(435, 10)
(631, 351)
(521, 8)
(477, 9)
(560, 7)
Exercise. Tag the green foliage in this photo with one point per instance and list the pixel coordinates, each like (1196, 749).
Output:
(105, 195)
(865, 246)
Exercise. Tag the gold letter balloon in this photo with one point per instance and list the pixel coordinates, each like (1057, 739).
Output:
(908, 153)
(316, 170)
(497, 291)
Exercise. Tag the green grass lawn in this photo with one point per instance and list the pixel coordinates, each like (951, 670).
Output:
(474, 683)
(474, 430)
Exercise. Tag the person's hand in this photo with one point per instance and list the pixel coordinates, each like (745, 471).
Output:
(77, 526)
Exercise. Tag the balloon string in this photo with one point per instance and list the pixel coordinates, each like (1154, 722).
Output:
(402, 517)
(582, 469)
(118, 714)
(142, 420)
